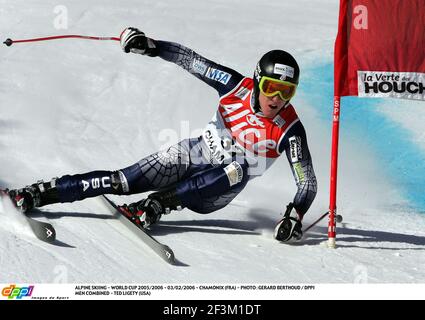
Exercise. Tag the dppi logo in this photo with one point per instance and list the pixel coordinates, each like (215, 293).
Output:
(13, 291)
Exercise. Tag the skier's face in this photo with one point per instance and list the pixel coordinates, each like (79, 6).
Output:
(270, 106)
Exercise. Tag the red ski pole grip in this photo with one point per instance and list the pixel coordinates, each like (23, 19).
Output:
(8, 42)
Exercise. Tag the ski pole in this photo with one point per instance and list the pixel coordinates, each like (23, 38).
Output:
(9, 41)
(338, 219)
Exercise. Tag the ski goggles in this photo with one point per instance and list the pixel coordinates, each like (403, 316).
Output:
(271, 87)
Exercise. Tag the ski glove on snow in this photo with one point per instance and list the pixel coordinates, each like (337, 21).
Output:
(289, 227)
(134, 40)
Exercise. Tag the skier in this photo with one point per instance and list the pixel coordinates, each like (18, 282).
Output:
(254, 124)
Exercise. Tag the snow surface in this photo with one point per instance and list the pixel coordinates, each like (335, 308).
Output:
(73, 106)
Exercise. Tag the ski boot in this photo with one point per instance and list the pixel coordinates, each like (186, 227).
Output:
(36, 195)
(290, 227)
(149, 211)
(144, 212)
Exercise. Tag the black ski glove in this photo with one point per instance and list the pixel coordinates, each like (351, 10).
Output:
(134, 40)
(289, 227)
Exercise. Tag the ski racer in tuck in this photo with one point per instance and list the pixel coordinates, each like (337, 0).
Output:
(253, 125)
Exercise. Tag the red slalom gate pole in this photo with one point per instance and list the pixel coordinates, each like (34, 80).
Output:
(334, 170)
(9, 41)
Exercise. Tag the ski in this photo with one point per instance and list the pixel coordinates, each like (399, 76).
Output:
(160, 249)
(42, 230)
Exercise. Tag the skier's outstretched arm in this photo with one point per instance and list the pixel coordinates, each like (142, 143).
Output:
(298, 154)
(221, 78)
(301, 164)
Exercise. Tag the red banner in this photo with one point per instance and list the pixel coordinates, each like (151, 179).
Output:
(380, 49)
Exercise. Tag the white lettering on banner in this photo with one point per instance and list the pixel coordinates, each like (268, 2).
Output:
(336, 111)
(218, 75)
(404, 85)
(361, 20)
